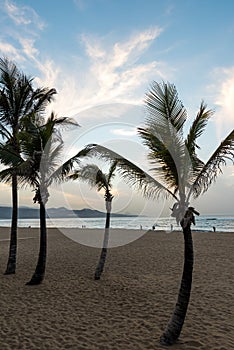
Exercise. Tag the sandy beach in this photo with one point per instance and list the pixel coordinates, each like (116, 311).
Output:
(129, 307)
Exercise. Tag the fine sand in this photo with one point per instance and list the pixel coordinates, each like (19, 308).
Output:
(129, 307)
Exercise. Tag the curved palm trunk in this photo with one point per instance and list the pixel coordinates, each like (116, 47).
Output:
(103, 255)
(39, 273)
(174, 327)
(11, 264)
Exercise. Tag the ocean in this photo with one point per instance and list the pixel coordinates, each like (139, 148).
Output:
(203, 223)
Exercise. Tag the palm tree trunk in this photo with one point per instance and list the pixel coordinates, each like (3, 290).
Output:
(39, 273)
(11, 264)
(103, 255)
(174, 327)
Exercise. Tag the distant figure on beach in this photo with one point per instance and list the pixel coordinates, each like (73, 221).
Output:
(153, 227)
(214, 228)
(140, 227)
(171, 227)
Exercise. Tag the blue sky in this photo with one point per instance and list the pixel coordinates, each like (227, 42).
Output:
(102, 55)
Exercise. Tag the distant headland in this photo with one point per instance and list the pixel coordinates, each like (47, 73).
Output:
(62, 212)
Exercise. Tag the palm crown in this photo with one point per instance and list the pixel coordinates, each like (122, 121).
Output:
(18, 98)
(95, 177)
(177, 170)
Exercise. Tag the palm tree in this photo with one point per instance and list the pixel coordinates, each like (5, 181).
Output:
(38, 166)
(95, 177)
(40, 169)
(180, 172)
(18, 100)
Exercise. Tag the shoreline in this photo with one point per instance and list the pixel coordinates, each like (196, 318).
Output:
(21, 228)
(221, 224)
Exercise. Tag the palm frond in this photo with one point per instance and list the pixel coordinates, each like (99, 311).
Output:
(163, 135)
(74, 176)
(63, 172)
(85, 152)
(196, 130)
(9, 156)
(63, 122)
(102, 181)
(40, 98)
(18, 97)
(198, 127)
(168, 155)
(50, 160)
(162, 103)
(6, 175)
(27, 174)
(91, 174)
(160, 156)
(4, 132)
(131, 173)
(8, 72)
(111, 172)
(213, 167)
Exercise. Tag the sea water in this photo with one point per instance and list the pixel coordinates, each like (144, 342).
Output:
(203, 223)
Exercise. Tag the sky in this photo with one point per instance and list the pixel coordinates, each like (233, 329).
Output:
(102, 57)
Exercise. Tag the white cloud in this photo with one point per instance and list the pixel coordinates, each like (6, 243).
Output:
(10, 51)
(15, 13)
(110, 60)
(125, 132)
(128, 52)
(18, 36)
(115, 70)
(224, 99)
(49, 73)
(23, 15)
(112, 74)
(81, 4)
(28, 47)
(93, 46)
